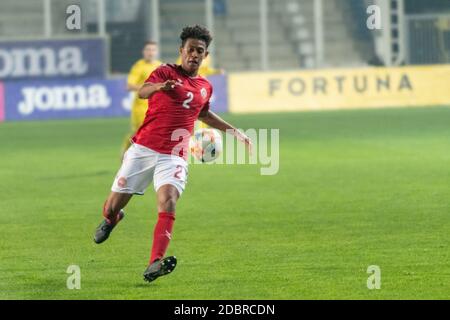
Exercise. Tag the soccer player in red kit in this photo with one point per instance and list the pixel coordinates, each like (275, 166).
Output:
(177, 97)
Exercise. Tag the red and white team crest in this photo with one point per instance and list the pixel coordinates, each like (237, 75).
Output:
(203, 93)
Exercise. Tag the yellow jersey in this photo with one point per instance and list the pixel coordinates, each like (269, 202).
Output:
(138, 74)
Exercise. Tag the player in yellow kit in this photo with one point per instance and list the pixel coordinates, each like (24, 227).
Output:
(138, 74)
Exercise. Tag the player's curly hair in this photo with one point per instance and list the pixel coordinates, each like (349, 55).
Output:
(196, 32)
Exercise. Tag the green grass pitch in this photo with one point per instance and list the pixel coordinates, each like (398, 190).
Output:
(355, 188)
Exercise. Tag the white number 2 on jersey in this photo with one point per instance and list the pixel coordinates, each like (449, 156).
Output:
(190, 97)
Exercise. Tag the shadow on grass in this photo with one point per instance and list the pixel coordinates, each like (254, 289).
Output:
(146, 285)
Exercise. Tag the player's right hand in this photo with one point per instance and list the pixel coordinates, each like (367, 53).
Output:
(168, 85)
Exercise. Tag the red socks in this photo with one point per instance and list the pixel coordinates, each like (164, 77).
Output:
(162, 235)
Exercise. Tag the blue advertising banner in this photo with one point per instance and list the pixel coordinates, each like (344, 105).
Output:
(66, 99)
(219, 99)
(53, 59)
(82, 98)
(2, 103)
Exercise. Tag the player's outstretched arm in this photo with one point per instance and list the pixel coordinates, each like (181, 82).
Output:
(133, 87)
(213, 120)
(149, 88)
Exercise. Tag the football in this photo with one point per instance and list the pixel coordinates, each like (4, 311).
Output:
(206, 144)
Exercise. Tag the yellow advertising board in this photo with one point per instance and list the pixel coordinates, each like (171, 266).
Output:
(372, 87)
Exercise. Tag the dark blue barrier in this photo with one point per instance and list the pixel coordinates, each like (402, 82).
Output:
(83, 98)
(53, 59)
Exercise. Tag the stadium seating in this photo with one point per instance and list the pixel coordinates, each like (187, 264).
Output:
(291, 35)
(29, 23)
(175, 14)
(291, 38)
(340, 47)
(239, 28)
(236, 26)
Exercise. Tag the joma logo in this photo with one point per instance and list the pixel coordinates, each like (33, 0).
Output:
(63, 98)
(45, 61)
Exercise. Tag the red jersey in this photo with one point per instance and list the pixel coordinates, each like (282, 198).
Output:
(170, 116)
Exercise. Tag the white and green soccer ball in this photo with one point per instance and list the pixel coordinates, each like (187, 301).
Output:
(206, 144)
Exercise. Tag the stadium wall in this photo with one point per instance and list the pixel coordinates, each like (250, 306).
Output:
(303, 90)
